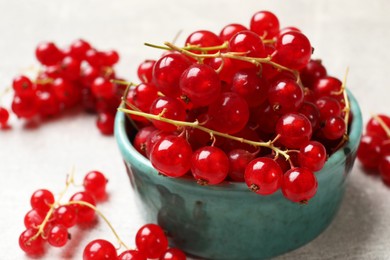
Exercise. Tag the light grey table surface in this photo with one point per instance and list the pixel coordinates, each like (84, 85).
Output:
(344, 33)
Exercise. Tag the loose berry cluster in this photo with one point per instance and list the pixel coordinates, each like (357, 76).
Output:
(374, 147)
(77, 75)
(49, 221)
(247, 105)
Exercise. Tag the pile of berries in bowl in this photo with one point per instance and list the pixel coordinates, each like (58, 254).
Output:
(239, 144)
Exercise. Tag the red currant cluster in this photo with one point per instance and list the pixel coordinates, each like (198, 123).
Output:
(48, 220)
(77, 75)
(374, 147)
(207, 108)
(151, 244)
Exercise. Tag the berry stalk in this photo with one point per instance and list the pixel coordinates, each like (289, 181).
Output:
(269, 144)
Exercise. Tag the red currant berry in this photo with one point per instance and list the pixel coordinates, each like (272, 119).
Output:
(110, 58)
(84, 213)
(312, 156)
(229, 30)
(65, 215)
(58, 236)
(266, 117)
(94, 58)
(171, 156)
(95, 184)
(41, 200)
(247, 42)
(47, 103)
(209, 165)
(142, 137)
(334, 128)
(226, 67)
(200, 84)
(33, 247)
(131, 255)
(369, 151)
(173, 254)
(327, 86)
(169, 108)
(151, 240)
(105, 123)
(384, 169)
(238, 160)
(33, 219)
(102, 87)
(248, 85)
(294, 130)
(203, 38)
(263, 176)
(24, 106)
(373, 126)
(88, 75)
(145, 71)
(313, 71)
(66, 92)
(79, 48)
(265, 24)
(4, 115)
(293, 50)
(312, 113)
(70, 68)
(48, 54)
(299, 185)
(99, 249)
(285, 96)
(229, 114)
(167, 72)
(328, 107)
(22, 85)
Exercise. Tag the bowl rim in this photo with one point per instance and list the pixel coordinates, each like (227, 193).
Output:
(131, 154)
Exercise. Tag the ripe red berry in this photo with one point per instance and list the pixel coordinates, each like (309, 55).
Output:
(169, 108)
(299, 185)
(171, 156)
(33, 219)
(200, 85)
(384, 169)
(95, 184)
(263, 176)
(79, 48)
(173, 254)
(24, 106)
(105, 123)
(294, 130)
(145, 71)
(99, 249)
(209, 165)
(293, 50)
(203, 38)
(48, 54)
(41, 200)
(312, 156)
(373, 126)
(285, 96)
(84, 213)
(4, 115)
(65, 215)
(369, 151)
(58, 235)
(238, 160)
(131, 255)
(22, 85)
(229, 30)
(167, 72)
(151, 241)
(313, 71)
(265, 24)
(102, 87)
(33, 247)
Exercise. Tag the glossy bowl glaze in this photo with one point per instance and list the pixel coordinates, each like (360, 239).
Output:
(228, 221)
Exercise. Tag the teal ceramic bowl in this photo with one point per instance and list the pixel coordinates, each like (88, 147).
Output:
(228, 221)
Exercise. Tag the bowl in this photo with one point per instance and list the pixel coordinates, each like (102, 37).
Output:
(228, 221)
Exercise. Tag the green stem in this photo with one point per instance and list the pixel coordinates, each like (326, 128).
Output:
(196, 125)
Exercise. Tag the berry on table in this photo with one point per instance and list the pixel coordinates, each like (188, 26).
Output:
(99, 249)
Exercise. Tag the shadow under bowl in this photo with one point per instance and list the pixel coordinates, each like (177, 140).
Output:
(228, 221)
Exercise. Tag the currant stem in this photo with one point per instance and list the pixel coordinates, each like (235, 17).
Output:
(212, 133)
(89, 205)
(382, 124)
(41, 227)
